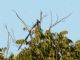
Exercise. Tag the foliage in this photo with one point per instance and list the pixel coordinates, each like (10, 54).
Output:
(45, 45)
(51, 47)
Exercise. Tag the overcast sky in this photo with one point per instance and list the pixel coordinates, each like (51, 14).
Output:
(29, 11)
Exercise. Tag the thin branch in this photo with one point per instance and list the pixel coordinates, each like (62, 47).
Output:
(13, 35)
(57, 17)
(41, 16)
(8, 32)
(58, 21)
(21, 20)
(14, 39)
(8, 44)
(51, 19)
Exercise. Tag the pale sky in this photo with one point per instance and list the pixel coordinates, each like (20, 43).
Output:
(29, 11)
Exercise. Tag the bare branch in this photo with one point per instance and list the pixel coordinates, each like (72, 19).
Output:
(13, 36)
(8, 31)
(51, 19)
(58, 21)
(41, 16)
(21, 20)
(14, 39)
(8, 44)
(57, 17)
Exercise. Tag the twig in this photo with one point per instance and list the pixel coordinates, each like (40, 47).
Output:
(51, 19)
(21, 20)
(41, 17)
(8, 44)
(13, 36)
(58, 21)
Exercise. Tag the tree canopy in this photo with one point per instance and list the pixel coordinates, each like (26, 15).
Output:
(46, 45)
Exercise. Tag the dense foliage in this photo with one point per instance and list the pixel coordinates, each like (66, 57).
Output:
(50, 46)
